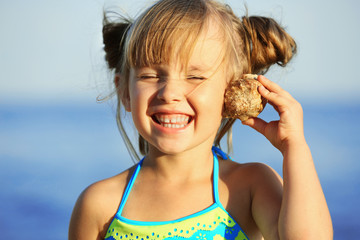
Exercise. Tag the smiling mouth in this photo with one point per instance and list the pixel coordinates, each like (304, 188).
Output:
(172, 120)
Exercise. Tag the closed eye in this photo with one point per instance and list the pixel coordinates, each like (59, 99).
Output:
(196, 78)
(148, 77)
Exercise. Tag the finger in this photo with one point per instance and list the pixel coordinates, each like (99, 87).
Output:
(256, 123)
(274, 98)
(275, 107)
(271, 86)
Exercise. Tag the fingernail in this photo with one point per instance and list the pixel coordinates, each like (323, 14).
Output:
(262, 88)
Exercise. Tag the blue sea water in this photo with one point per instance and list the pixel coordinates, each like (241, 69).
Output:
(50, 153)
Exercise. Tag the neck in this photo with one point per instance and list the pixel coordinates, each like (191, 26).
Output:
(188, 165)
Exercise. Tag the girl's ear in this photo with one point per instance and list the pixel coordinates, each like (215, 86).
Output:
(126, 103)
(122, 93)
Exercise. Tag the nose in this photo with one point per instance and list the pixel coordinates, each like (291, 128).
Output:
(170, 91)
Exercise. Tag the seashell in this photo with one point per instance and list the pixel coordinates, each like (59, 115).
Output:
(242, 99)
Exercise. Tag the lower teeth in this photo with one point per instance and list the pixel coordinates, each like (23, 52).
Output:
(172, 125)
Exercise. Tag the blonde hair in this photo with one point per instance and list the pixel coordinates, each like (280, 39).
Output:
(252, 45)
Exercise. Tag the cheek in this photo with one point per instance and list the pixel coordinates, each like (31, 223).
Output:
(136, 100)
(211, 99)
(138, 95)
(140, 100)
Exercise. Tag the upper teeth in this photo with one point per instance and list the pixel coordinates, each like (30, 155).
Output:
(173, 119)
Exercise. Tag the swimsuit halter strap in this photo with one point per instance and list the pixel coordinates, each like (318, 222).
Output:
(216, 179)
(216, 151)
(129, 187)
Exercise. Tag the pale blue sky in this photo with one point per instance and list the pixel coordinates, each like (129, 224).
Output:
(51, 51)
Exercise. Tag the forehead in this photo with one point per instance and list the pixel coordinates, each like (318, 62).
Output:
(205, 52)
(208, 51)
(181, 36)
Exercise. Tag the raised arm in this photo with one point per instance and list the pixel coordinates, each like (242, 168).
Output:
(304, 212)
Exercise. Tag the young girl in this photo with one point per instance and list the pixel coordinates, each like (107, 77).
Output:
(172, 65)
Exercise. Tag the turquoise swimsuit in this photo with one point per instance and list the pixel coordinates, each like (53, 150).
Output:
(213, 222)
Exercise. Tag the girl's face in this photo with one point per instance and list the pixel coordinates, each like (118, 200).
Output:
(177, 109)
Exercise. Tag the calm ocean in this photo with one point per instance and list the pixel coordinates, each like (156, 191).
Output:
(49, 154)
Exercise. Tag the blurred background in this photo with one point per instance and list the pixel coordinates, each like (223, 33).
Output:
(56, 139)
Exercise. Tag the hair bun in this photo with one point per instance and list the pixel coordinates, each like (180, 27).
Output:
(268, 43)
(114, 34)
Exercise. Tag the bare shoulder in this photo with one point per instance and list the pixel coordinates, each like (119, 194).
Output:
(96, 207)
(253, 172)
(255, 196)
(258, 179)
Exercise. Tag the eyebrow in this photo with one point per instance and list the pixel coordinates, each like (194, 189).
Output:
(199, 68)
(162, 68)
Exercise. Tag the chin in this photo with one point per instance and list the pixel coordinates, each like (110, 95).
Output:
(169, 148)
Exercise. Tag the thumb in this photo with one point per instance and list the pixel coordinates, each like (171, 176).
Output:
(256, 123)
